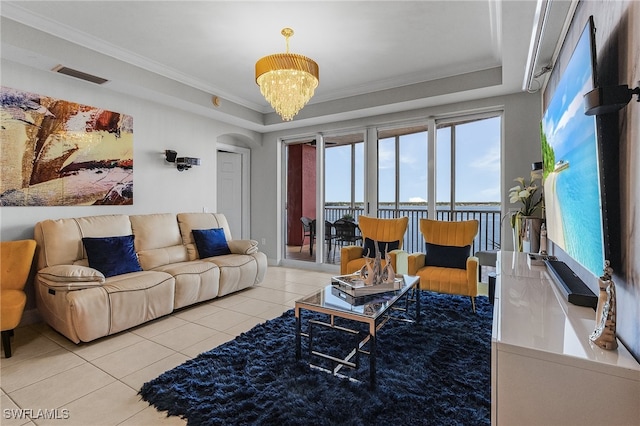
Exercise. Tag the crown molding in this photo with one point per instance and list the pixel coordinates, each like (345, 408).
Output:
(19, 14)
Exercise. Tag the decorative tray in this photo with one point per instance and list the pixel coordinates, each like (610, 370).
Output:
(354, 286)
(362, 300)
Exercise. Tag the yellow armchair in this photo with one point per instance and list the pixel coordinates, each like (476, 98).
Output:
(388, 230)
(447, 266)
(16, 258)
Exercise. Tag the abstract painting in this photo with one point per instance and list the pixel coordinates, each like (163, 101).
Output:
(59, 153)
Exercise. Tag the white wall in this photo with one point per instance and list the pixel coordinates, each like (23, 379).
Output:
(521, 147)
(158, 186)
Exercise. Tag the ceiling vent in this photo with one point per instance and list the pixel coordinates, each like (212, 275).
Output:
(79, 74)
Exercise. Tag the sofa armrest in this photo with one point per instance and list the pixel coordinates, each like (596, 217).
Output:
(70, 277)
(472, 274)
(415, 261)
(243, 246)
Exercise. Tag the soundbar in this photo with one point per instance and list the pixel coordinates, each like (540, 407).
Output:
(574, 289)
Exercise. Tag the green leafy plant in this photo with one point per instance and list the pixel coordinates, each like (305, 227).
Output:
(348, 217)
(548, 154)
(526, 193)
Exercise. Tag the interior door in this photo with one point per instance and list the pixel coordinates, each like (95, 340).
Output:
(229, 190)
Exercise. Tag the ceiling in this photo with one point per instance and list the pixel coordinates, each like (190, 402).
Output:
(374, 56)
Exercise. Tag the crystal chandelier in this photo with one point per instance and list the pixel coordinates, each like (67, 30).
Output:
(287, 80)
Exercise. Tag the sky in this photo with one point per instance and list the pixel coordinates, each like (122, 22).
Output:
(477, 166)
(565, 118)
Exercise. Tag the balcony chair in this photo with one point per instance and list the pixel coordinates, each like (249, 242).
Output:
(16, 258)
(389, 233)
(447, 266)
(329, 236)
(307, 231)
(346, 234)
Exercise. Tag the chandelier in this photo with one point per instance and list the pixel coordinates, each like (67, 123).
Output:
(287, 80)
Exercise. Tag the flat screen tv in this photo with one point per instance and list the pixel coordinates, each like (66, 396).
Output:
(574, 199)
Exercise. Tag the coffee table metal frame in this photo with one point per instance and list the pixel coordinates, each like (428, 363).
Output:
(375, 317)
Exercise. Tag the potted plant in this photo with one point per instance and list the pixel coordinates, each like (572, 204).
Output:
(527, 221)
(348, 217)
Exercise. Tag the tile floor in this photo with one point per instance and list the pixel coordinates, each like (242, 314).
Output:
(96, 383)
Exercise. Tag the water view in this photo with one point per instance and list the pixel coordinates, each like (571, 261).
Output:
(487, 214)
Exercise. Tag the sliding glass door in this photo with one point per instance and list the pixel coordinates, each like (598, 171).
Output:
(343, 188)
(324, 183)
(300, 195)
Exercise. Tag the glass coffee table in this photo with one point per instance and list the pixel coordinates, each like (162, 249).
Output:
(373, 310)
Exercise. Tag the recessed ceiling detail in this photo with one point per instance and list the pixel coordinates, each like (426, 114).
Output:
(385, 58)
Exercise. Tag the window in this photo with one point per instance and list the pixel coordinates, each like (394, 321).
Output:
(475, 172)
(466, 173)
(402, 170)
(469, 186)
(344, 176)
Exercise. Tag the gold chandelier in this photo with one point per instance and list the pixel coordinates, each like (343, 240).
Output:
(287, 80)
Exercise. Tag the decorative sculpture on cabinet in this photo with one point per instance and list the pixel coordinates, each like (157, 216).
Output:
(605, 333)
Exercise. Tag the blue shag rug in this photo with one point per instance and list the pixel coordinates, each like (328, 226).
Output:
(437, 372)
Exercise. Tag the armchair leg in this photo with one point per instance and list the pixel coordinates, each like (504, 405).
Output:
(6, 342)
(473, 304)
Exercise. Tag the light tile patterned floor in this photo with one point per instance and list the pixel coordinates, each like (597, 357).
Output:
(96, 383)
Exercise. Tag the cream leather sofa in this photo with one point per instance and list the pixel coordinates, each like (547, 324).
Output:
(79, 302)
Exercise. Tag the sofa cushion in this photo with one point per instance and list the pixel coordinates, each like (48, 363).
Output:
(191, 221)
(210, 242)
(124, 301)
(238, 271)
(60, 240)
(447, 256)
(112, 255)
(157, 240)
(369, 249)
(196, 281)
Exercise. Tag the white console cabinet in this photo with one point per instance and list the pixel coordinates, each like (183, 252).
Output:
(544, 369)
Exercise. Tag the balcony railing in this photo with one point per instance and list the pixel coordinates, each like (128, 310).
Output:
(488, 217)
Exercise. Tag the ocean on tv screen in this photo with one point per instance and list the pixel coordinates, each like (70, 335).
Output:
(573, 198)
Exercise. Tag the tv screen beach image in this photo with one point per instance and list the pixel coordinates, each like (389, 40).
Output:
(572, 189)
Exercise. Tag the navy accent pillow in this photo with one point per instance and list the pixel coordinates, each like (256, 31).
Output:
(112, 255)
(210, 242)
(447, 256)
(369, 249)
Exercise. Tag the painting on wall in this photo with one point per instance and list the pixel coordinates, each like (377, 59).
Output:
(59, 153)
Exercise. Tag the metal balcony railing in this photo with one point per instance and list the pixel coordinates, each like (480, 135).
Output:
(488, 217)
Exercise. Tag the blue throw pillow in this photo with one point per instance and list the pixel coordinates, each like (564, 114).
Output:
(112, 255)
(447, 256)
(369, 249)
(210, 242)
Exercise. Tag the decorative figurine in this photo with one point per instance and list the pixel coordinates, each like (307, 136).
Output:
(388, 275)
(543, 239)
(605, 333)
(366, 272)
(372, 273)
